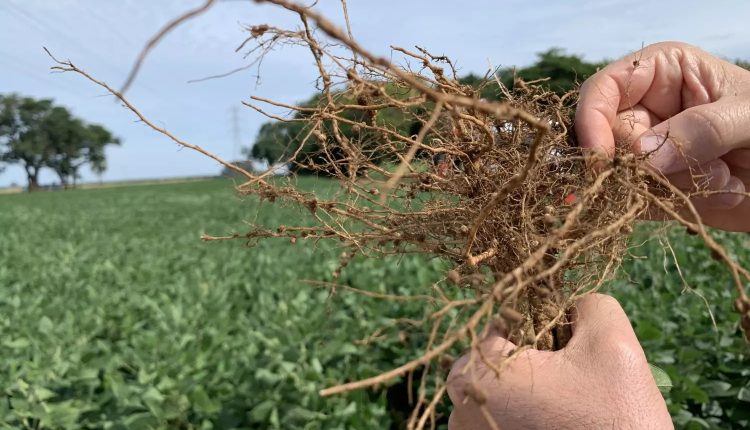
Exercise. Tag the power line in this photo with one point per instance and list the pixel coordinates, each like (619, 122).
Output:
(110, 26)
(27, 70)
(44, 27)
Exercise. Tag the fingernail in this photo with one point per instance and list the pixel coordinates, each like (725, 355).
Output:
(716, 176)
(650, 143)
(657, 148)
(731, 199)
(596, 159)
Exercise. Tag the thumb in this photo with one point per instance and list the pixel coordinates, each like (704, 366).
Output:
(598, 318)
(698, 135)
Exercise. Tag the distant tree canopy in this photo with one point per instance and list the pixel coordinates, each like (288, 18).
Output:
(37, 134)
(279, 140)
(560, 73)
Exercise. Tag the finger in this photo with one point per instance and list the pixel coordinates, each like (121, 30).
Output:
(733, 220)
(698, 135)
(742, 174)
(460, 420)
(600, 100)
(738, 161)
(665, 78)
(631, 123)
(598, 316)
(493, 348)
(738, 158)
(728, 197)
(623, 85)
(724, 211)
(736, 219)
(498, 327)
(710, 176)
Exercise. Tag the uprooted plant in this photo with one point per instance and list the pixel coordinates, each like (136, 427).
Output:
(499, 190)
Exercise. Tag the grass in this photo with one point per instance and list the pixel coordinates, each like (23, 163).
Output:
(115, 315)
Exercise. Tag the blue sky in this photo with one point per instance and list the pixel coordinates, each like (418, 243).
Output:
(104, 37)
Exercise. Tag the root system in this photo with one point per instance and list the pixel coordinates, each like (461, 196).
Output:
(500, 190)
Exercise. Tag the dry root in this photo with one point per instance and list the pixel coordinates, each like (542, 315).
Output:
(499, 190)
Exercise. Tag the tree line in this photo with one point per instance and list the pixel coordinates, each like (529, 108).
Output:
(37, 134)
(279, 140)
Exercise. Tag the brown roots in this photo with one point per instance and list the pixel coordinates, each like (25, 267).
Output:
(498, 189)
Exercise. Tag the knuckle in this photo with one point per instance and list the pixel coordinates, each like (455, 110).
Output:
(673, 45)
(709, 125)
(457, 367)
(621, 350)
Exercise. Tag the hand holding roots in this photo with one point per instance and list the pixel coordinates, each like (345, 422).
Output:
(498, 189)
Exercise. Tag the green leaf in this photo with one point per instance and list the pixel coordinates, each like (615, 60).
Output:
(697, 424)
(19, 343)
(696, 393)
(662, 379)
(138, 421)
(61, 415)
(202, 402)
(316, 366)
(744, 394)
(348, 349)
(262, 410)
(718, 389)
(45, 325)
(301, 414)
(349, 410)
(153, 399)
(44, 394)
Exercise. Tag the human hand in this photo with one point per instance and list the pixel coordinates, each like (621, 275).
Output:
(689, 110)
(599, 380)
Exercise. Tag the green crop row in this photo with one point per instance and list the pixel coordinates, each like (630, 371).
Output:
(115, 315)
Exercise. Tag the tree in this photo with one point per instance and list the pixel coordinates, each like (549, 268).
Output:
(561, 72)
(77, 144)
(21, 142)
(38, 134)
(564, 72)
(277, 141)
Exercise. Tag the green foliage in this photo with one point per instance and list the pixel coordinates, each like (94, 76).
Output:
(559, 71)
(709, 366)
(565, 72)
(114, 315)
(276, 141)
(18, 142)
(38, 134)
(279, 140)
(661, 377)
